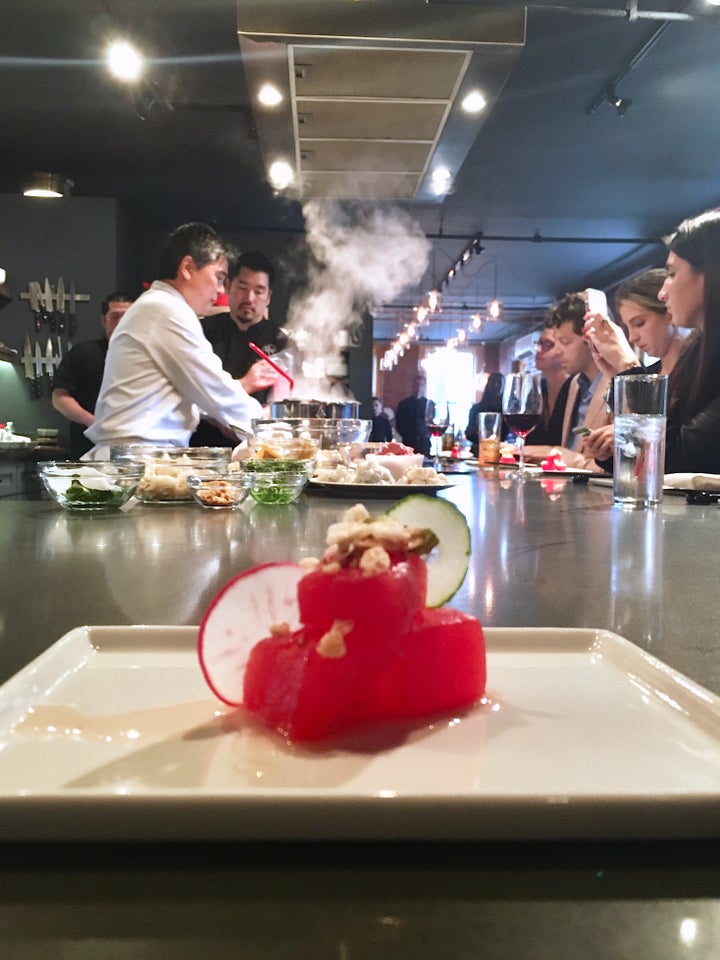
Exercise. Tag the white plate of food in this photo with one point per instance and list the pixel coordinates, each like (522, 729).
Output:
(112, 734)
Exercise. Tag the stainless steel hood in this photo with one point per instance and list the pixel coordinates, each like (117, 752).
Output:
(372, 89)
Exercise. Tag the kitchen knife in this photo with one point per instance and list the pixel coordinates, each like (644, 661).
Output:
(35, 295)
(27, 358)
(37, 383)
(72, 320)
(49, 308)
(49, 358)
(60, 305)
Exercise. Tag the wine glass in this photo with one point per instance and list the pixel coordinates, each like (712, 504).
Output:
(522, 408)
(436, 427)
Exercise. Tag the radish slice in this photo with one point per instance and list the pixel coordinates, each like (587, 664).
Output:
(241, 615)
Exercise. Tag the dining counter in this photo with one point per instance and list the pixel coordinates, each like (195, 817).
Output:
(545, 554)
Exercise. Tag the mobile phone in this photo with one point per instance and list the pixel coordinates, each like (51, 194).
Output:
(596, 301)
(580, 431)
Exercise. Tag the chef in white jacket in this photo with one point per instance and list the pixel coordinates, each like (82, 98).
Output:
(160, 371)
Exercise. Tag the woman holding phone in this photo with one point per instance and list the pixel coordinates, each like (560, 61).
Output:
(691, 293)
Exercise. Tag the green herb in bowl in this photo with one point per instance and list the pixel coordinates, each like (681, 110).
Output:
(78, 494)
(276, 481)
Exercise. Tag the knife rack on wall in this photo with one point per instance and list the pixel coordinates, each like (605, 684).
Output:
(55, 309)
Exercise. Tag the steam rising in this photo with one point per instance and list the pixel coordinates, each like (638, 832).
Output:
(359, 257)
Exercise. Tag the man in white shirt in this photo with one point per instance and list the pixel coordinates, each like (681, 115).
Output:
(161, 371)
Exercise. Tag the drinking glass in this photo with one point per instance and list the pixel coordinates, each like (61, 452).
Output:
(522, 409)
(488, 438)
(436, 427)
(640, 408)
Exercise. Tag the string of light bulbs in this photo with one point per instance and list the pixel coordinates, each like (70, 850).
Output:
(431, 306)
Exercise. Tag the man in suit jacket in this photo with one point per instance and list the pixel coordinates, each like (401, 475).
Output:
(585, 404)
(410, 420)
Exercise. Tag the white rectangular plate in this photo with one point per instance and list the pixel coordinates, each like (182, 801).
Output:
(113, 734)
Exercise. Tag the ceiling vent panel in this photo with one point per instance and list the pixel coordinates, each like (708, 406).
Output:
(382, 156)
(372, 90)
(382, 119)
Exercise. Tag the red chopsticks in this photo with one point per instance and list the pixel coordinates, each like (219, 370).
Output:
(261, 353)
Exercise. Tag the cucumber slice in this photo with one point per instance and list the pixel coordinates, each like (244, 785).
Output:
(448, 562)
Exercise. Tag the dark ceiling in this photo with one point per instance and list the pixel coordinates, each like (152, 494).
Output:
(564, 196)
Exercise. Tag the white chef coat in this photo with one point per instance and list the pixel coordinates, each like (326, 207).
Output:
(160, 375)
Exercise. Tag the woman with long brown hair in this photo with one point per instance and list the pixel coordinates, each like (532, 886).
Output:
(691, 292)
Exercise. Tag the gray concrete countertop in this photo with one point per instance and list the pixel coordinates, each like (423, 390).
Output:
(540, 558)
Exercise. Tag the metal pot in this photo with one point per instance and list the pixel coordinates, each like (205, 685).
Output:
(344, 409)
(341, 409)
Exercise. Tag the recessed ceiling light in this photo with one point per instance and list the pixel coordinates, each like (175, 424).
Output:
(269, 95)
(281, 174)
(47, 185)
(123, 60)
(474, 102)
(441, 179)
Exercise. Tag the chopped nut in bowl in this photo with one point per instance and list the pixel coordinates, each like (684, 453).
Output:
(167, 468)
(220, 491)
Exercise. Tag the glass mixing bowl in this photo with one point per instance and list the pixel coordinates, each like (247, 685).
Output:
(95, 485)
(167, 468)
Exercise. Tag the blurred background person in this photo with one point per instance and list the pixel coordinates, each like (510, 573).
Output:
(381, 428)
(490, 402)
(412, 416)
(76, 383)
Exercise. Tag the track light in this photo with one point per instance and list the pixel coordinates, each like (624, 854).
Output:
(494, 309)
(620, 103)
(123, 61)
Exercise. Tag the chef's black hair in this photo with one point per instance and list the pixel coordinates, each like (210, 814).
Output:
(118, 296)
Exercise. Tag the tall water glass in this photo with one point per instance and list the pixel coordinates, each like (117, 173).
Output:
(639, 461)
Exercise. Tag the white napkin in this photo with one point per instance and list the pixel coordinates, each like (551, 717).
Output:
(693, 481)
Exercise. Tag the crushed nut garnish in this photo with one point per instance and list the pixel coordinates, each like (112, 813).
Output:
(280, 629)
(374, 560)
(332, 644)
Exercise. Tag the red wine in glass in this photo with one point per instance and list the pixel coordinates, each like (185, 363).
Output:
(436, 429)
(522, 424)
(522, 409)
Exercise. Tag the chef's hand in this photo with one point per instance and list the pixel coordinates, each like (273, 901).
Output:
(260, 376)
(608, 344)
(598, 444)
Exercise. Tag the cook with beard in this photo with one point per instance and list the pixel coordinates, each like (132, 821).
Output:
(249, 291)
